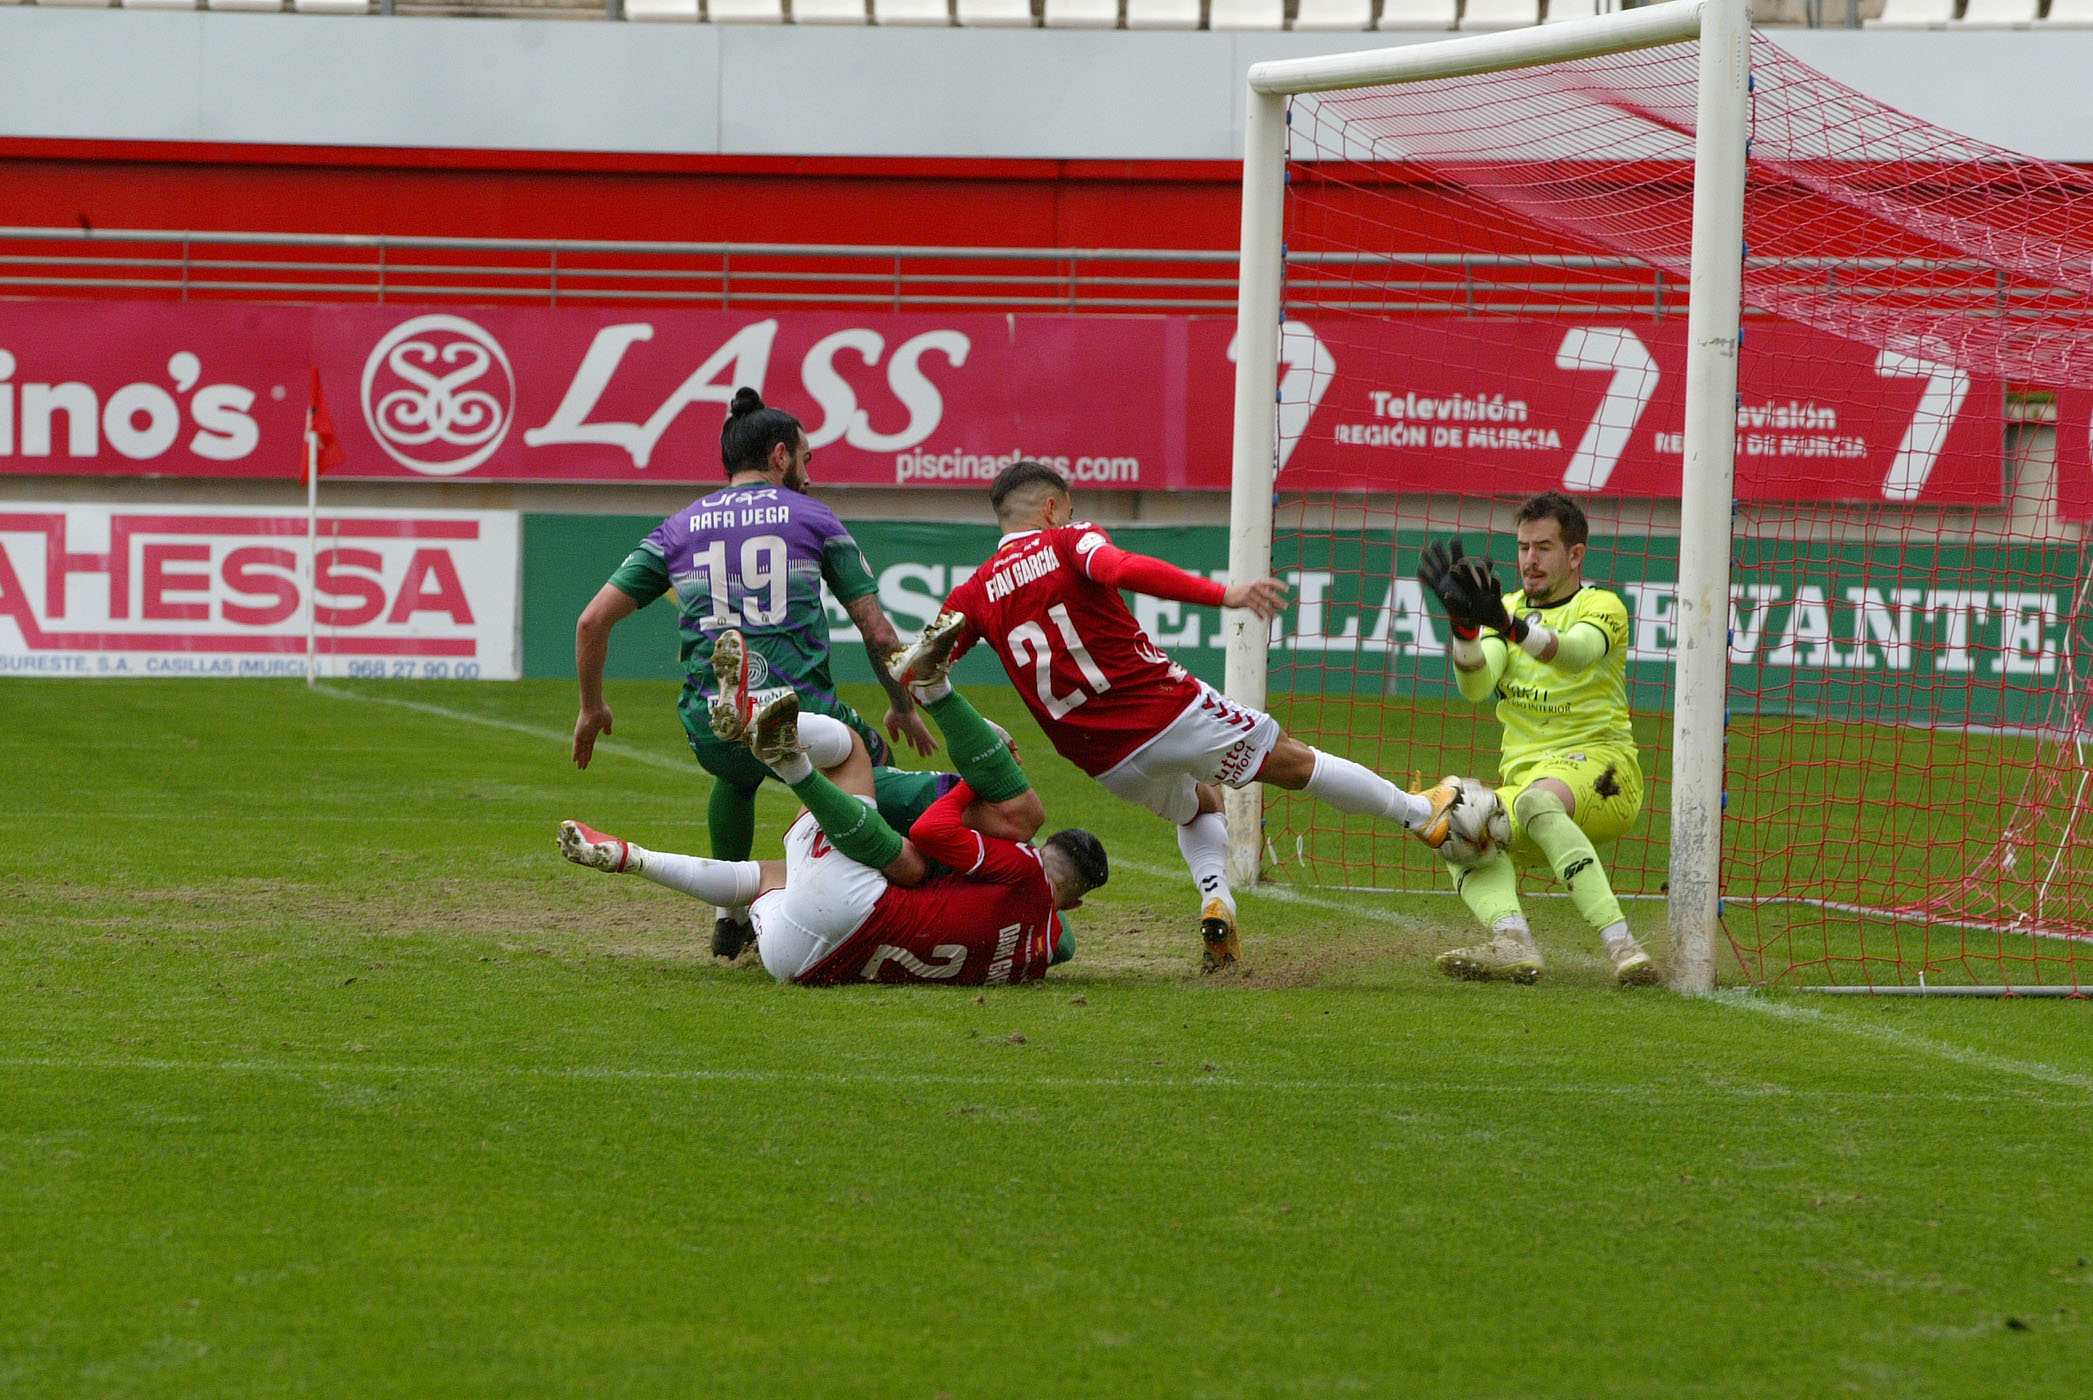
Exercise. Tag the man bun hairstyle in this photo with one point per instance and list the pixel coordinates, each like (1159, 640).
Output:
(1020, 474)
(1085, 854)
(1566, 513)
(752, 431)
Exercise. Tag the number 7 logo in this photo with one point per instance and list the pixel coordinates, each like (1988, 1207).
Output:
(1628, 393)
(1927, 433)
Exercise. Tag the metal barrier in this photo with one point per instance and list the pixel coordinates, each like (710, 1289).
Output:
(307, 268)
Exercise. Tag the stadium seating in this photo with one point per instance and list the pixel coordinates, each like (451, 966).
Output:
(996, 14)
(1334, 15)
(1162, 14)
(1308, 16)
(1998, 14)
(1419, 14)
(1500, 14)
(1082, 14)
(2067, 14)
(1246, 14)
(1914, 14)
(830, 12)
(923, 14)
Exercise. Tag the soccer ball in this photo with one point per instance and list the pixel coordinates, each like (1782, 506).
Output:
(1478, 828)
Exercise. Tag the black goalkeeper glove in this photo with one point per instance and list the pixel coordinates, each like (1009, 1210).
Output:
(1478, 580)
(1443, 571)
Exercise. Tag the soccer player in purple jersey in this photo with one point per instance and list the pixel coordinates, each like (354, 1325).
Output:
(748, 559)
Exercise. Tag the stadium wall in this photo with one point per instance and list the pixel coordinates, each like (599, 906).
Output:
(126, 75)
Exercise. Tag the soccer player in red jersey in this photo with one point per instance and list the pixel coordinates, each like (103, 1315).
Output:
(1047, 603)
(964, 898)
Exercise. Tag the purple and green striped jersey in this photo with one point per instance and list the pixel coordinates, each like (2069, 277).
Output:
(752, 557)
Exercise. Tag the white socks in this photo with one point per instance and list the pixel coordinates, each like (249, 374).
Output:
(1617, 939)
(723, 882)
(1514, 926)
(826, 740)
(1350, 787)
(1204, 842)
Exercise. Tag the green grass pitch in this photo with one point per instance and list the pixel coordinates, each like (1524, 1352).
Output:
(322, 1075)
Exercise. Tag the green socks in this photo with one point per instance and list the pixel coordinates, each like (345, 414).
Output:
(852, 825)
(731, 817)
(1490, 890)
(1572, 856)
(978, 752)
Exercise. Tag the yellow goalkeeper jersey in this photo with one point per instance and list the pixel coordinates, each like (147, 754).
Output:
(1547, 712)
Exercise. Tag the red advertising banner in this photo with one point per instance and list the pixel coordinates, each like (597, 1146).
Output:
(95, 388)
(887, 399)
(923, 399)
(1600, 408)
(2075, 454)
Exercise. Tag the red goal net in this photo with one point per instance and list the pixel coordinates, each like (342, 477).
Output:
(1487, 281)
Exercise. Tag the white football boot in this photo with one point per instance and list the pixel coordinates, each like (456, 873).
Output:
(1507, 956)
(774, 732)
(584, 845)
(731, 707)
(923, 663)
(1632, 967)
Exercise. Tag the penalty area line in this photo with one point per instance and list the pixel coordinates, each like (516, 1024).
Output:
(535, 731)
(1906, 1040)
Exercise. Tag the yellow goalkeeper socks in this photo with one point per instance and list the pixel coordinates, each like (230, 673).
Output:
(1491, 891)
(1572, 856)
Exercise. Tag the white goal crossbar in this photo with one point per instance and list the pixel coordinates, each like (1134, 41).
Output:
(1724, 30)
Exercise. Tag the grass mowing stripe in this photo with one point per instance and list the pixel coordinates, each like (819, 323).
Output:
(534, 731)
(1905, 1040)
(844, 1079)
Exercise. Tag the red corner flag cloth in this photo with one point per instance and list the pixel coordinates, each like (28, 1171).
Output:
(320, 423)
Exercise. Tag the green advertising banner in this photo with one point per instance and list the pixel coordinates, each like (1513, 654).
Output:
(1945, 635)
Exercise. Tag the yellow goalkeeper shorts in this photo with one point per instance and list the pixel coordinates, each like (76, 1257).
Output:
(1606, 783)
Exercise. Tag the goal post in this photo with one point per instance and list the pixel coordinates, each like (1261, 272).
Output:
(1722, 28)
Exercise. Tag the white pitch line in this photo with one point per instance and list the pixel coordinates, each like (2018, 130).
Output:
(1274, 892)
(535, 731)
(844, 1079)
(1906, 1040)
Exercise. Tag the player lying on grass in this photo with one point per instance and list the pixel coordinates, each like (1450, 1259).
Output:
(1555, 652)
(751, 556)
(1047, 603)
(963, 898)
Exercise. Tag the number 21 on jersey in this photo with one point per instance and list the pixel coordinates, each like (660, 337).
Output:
(1030, 646)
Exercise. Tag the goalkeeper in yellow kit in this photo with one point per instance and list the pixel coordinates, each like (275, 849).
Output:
(1555, 653)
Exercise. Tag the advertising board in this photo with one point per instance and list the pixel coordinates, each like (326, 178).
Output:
(96, 590)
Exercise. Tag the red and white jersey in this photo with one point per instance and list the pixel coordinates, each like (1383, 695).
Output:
(1098, 685)
(990, 922)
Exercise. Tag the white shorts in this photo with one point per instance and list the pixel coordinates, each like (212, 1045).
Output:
(1214, 741)
(826, 896)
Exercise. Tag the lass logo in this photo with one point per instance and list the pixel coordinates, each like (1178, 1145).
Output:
(417, 399)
